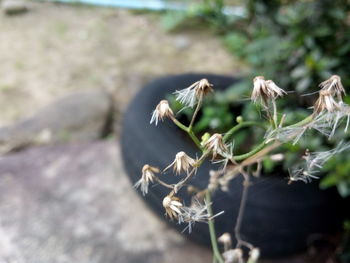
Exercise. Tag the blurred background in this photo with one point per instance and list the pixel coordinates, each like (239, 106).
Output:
(68, 70)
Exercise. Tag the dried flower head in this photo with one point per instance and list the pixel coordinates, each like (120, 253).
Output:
(233, 256)
(331, 89)
(162, 111)
(325, 101)
(148, 174)
(190, 95)
(265, 90)
(172, 205)
(254, 255)
(203, 88)
(216, 145)
(334, 85)
(182, 163)
(226, 240)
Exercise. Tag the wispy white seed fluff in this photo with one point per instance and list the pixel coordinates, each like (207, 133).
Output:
(148, 174)
(182, 163)
(197, 212)
(190, 95)
(162, 111)
(314, 162)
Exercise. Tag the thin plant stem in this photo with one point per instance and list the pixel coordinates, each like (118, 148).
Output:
(180, 184)
(251, 153)
(195, 140)
(179, 124)
(242, 206)
(199, 104)
(274, 113)
(303, 122)
(239, 126)
(212, 232)
(163, 183)
(188, 131)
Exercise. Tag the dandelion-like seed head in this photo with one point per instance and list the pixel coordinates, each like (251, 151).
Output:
(259, 89)
(265, 90)
(331, 89)
(182, 163)
(300, 174)
(148, 174)
(203, 88)
(190, 95)
(173, 205)
(162, 111)
(326, 102)
(197, 212)
(274, 90)
(334, 85)
(216, 145)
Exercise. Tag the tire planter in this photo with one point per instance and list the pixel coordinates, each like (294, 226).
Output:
(279, 218)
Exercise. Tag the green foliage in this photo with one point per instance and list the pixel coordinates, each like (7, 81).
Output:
(298, 44)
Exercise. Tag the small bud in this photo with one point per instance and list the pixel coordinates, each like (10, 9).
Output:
(182, 163)
(239, 119)
(205, 137)
(162, 111)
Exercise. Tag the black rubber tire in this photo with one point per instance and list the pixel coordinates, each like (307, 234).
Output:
(278, 217)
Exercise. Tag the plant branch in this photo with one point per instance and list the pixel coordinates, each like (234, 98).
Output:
(163, 183)
(199, 104)
(239, 126)
(212, 232)
(274, 113)
(251, 153)
(242, 205)
(180, 184)
(188, 131)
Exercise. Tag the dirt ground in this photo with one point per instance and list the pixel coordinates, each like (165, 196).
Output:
(54, 49)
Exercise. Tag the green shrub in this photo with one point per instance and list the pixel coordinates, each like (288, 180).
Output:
(295, 43)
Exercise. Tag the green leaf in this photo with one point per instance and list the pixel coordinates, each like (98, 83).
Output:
(329, 181)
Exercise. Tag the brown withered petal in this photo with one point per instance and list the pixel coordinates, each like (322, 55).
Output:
(325, 101)
(203, 88)
(182, 163)
(216, 145)
(172, 205)
(162, 111)
(334, 85)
